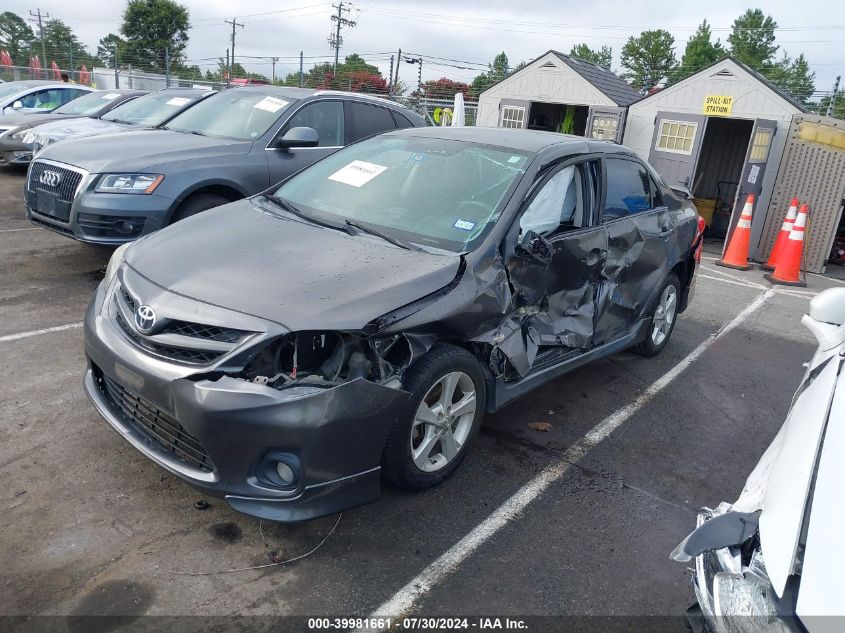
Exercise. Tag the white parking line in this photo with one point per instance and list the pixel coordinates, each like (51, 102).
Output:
(405, 599)
(48, 330)
(28, 228)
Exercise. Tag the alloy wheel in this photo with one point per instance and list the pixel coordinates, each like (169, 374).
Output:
(664, 315)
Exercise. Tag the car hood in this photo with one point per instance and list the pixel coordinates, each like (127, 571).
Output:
(29, 120)
(243, 257)
(62, 129)
(139, 150)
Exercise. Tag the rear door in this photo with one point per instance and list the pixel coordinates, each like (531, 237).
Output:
(639, 236)
(674, 146)
(606, 124)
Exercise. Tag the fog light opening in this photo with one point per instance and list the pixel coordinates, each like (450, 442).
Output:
(285, 473)
(126, 227)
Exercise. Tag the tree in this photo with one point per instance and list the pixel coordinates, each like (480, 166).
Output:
(752, 39)
(497, 70)
(793, 77)
(152, 27)
(444, 88)
(106, 49)
(838, 105)
(600, 57)
(15, 37)
(699, 53)
(61, 44)
(648, 58)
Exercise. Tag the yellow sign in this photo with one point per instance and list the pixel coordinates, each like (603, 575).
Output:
(718, 105)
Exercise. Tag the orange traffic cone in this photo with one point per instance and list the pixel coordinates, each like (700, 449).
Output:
(788, 267)
(783, 235)
(736, 255)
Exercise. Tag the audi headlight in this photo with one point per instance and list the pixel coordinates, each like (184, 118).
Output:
(114, 263)
(129, 183)
(18, 136)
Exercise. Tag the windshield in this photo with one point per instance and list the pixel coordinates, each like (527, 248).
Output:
(149, 110)
(89, 104)
(234, 114)
(428, 192)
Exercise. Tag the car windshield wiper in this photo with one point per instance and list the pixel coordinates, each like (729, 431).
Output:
(377, 233)
(294, 210)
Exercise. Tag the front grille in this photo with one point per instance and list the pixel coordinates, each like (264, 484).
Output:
(64, 190)
(182, 354)
(110, 226)
(208, 332)
(156, 425)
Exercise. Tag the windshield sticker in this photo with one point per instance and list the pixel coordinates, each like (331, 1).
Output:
(357, 173)
(110, 95)
(270, 104)
(464, 225)
(178, 101)
(515, 159)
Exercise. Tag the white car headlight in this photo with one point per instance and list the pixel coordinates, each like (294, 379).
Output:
(18, 136)
(129, 183)
(744, 603)
(114, 263)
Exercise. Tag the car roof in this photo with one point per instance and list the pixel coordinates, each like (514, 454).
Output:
(304, 93)
(532, 141)
(185, 92)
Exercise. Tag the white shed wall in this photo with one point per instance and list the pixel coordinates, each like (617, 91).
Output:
(551, 85)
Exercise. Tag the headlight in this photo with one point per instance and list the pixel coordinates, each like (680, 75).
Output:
(129, 183)
(114, 263)
(19, 136)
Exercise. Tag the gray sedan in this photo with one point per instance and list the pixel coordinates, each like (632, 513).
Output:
(14, 148)
(115, 188)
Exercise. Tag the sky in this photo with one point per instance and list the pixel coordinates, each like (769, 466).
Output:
(465, 35)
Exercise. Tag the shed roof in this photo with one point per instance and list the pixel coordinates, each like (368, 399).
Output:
(756, 75)
(608, 83)
(616, 88)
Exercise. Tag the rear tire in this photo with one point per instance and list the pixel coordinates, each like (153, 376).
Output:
(430, 440)
(197, 203)
(662, 321)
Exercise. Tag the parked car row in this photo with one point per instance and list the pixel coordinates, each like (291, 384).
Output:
(347, 313)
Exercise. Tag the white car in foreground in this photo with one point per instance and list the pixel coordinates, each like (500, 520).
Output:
(773, 560)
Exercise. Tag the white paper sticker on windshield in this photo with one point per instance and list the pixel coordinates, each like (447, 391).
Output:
(464, 225)
(271, 104)
(178, 101)
(357, 173)
(110, 95)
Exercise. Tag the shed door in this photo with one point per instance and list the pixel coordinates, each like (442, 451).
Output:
(606, 124)
(813, 170)
(675, 145)
(756, 158)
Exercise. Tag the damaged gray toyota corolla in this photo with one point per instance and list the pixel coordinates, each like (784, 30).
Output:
(285, 351)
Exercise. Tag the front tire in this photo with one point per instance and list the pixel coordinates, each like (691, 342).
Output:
(433, 436)
(663, 318)
(197, 203)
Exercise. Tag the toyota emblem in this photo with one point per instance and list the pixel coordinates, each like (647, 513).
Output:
(50, 178)
(145, 319)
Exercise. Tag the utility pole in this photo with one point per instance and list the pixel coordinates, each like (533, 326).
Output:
(70, 54)
(274, 59)
(398, 63)
(417, 60)
(830, 105)
(37, 17)
(390, 78)
(335, 40)
(116, 78)
(167, 67)
(301, 73)
(226, 74)
(234, 22)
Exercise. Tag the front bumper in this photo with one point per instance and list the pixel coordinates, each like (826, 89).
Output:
(336, 437)
(99, 218)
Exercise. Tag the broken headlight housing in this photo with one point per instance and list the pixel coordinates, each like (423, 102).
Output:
(745, 603)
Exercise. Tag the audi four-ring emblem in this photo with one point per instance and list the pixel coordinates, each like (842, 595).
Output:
(145, 319)
(50, 178)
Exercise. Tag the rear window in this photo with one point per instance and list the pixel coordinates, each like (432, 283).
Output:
(370, 120)
(627, 189)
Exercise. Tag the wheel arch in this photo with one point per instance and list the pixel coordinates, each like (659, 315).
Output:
(219, 187)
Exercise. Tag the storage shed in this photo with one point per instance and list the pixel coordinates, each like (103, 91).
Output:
(720, 133)
(559, 93)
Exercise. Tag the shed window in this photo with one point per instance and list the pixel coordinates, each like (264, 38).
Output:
(676, 136)
(605, 126)
(513, 116)
(760, 145)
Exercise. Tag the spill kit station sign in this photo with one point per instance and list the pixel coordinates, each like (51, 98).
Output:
(718, 105)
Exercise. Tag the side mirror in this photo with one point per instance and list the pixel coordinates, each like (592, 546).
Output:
(534, 248)
(299, 137)
(829, 306)
(17, 105)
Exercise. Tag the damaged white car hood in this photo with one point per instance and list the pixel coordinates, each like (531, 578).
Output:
(798, 484)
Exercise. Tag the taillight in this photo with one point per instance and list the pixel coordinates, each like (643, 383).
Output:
(701, 226)
(699, 239)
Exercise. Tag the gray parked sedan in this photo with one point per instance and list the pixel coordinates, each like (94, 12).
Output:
(14, 147)
(113, 189)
